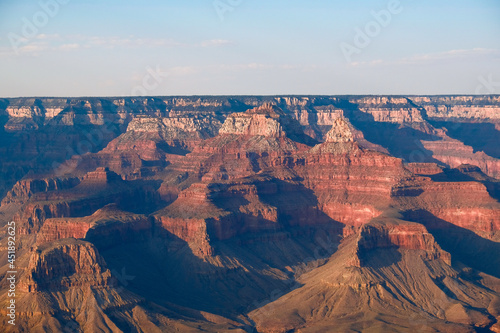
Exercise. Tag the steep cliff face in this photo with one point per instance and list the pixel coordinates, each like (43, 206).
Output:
(454, 153)
(466, 204)
(347, 192)
(26, 114)
(186, 128)
(68, 287)
(343, 131)
(208, 213)
(398, 110)
(352, 184)
(339, 182)
(463, 132)
(107, 227)
(96, 190)
(267, 120)
(264, 121)
(259, 139)
(65, 264)
(309, 110)
(341, 136)
(389, 233)
(478, 108)
(425, 168)
(24, 189)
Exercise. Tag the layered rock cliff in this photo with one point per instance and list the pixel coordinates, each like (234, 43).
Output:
(65, 264)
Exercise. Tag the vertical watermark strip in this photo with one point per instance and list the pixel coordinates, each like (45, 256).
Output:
(12, 272)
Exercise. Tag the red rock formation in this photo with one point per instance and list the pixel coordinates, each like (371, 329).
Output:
(97, 189)
(351, 184)
(25, 188)
(177, 131)
(106, 228)
(424, 168)
(248, 142)
(466, 204)
(395, 289)
(64, 264)
(399, 234)
(264, 120)
(101, 176)
(454, 153)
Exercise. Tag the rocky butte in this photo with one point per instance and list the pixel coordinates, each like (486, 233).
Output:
(252, 214)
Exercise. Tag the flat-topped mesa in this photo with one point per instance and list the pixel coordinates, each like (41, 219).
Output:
(425, 168)
(398, 234)
(151, 137)
(267, 120)
(27, 187)
(479, 108)
(171, 128)
(145, 124)
(389, 109)
(107, 227)
(101, 175)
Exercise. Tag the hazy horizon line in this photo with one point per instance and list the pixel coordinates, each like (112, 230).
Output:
(255, 95)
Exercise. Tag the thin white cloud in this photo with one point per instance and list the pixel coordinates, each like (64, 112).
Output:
(56, 42)
(224, 68)
(249, 66)
(430, 58)
(69, 47)
(182, 70)
(48, 37)
(33, 49)
(375, 62)
(128, 42)
(215, 43)
(449, 55)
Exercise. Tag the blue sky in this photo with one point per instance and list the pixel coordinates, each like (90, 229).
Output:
(219, 47)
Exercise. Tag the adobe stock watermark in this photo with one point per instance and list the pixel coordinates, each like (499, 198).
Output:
(487, 85)
(31, 27)
(224, 6)
(363, 37)
(11, 275)
(123, 278)
(150, 81)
